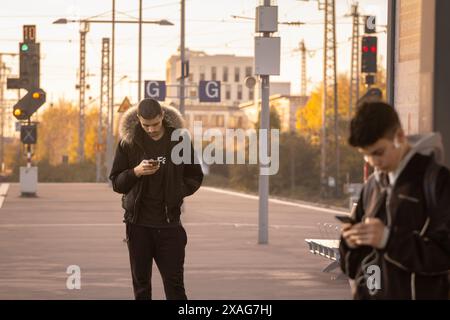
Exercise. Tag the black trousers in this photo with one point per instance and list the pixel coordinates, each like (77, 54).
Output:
(167, 247)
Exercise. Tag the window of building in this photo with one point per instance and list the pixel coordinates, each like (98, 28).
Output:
(248, 71)
(237, 74)
(202, 73)
(227, 92)
(225, 74)
(231, 122)
(203, 118)
(239, 122)
(193, 92)
(217, 120)
(251, 94)
(239, 92)
(214, 73)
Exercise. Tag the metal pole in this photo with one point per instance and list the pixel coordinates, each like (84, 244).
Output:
(2, 106)
(140, 53)
(264, 179)
(104, 103)
(354, 69)
(336, 109)
(182, 56)
(303, 87)
(263, 223)
(292, 160)
(323, 144)
(109, 140)
(392, 13)
(84, 28)
(99, 130)
(358, 66)
(330, 78)
(29, 150)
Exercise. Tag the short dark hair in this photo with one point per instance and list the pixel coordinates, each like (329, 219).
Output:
(373, 120)
(149, 109)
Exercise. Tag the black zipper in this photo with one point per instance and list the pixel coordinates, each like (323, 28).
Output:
(140, 182)
(134, 209)
(166, 180)
(167, 214)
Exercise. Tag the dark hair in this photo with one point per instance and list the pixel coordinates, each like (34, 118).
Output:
(373, 120)
(149, 109)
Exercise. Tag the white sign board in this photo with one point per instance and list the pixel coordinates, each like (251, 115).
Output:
(267, 56)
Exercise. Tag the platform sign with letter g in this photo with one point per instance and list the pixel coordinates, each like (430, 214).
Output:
(155, 90)
(209, 91)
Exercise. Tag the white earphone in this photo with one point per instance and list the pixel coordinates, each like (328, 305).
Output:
(397, 144)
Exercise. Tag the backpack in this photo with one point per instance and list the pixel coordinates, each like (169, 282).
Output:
(430, 183)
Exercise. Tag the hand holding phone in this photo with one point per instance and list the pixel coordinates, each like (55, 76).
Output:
(151, 163)
(146, 167)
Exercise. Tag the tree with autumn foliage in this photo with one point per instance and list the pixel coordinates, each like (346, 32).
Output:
(58, 133)
(309, 125)
(309, 118)
(57, 139)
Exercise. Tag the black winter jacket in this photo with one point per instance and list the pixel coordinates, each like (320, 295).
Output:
(416, 260)
(181, 180)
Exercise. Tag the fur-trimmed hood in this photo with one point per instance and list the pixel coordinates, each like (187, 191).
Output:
(129, 123)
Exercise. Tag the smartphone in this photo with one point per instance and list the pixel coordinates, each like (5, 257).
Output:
(345, 219)
(152, 163)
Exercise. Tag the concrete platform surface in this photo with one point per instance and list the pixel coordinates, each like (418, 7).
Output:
(81, 224)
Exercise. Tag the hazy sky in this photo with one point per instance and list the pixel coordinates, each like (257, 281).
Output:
(209, 27)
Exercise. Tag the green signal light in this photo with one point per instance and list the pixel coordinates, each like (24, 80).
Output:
(24, 47)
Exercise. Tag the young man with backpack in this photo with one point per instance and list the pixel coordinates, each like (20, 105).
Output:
(399, 244)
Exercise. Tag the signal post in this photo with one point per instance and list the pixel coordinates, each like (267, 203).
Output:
(29, 56)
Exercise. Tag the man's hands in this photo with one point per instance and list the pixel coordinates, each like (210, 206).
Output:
(145, 168)
(367, 233)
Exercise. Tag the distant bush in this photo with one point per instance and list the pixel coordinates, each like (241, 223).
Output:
(77, 172)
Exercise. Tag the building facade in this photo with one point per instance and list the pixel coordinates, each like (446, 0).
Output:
(285, 105)
(418, 65)
(231, 71)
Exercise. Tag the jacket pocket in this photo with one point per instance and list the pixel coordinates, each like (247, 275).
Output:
(174, 211)
(128, 203)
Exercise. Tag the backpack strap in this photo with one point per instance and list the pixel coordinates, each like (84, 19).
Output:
(370, 196)
(430, 184)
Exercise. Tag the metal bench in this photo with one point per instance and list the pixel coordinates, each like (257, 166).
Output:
(327, 248)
